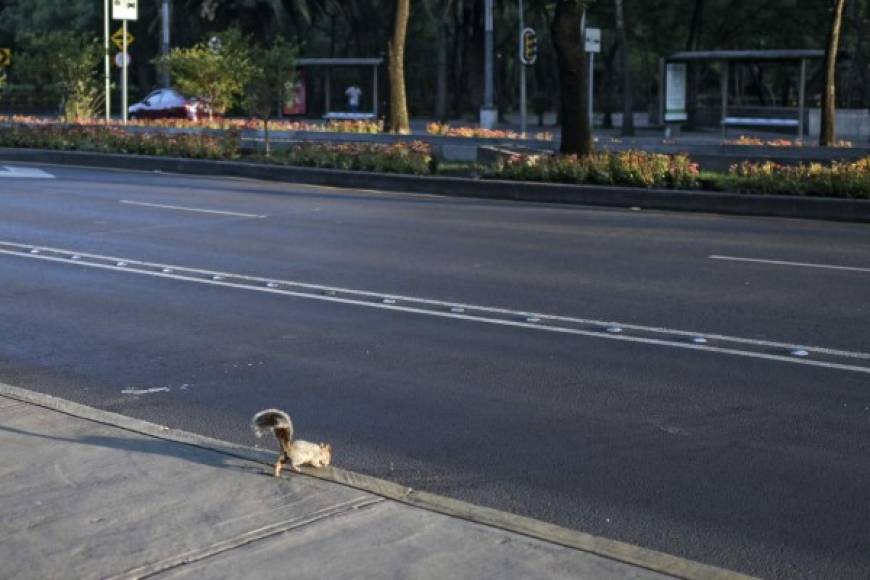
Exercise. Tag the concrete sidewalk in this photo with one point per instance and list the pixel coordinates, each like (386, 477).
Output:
(91, 494)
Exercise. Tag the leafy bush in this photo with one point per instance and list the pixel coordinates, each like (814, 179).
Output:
(115, 140)
(633, 168)
(835, 180)
(216, 71)
(414, 158)
(353, 126)
(64, 65)
(445, 130)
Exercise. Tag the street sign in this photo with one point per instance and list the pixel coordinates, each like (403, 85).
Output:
(675, 92)
(528, 46)
(593, 40)
(123, 58)
(5, 57)
(125, 10)
(118, 38)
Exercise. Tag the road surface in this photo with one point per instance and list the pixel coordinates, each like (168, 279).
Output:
(635, 375)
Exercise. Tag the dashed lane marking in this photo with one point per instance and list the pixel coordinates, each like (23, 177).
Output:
(785, 263)
(191, 209)
(674, 338)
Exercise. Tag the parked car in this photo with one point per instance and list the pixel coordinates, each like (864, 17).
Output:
(169, 103)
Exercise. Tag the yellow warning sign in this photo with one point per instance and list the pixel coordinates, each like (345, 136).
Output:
(118, 38)
(5, 57)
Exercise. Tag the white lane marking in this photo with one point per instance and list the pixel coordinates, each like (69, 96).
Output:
(145, 391)
(784, 263)
(172, 272)
(193, 209)
(25, 172)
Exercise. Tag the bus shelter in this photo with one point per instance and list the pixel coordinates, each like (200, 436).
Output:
(328, 64)
(674, 101)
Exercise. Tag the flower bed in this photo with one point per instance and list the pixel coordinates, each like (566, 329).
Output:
(629, 168)
(781, 142)
(445, 130)
(835, 180)
(115, 140)
(411, 158)
(632, 168)
(342, 126)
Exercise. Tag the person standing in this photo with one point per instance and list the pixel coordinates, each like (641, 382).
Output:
(353, 94)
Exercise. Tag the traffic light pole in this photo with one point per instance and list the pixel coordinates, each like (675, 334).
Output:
(523, 95)
(106, 68)
(124, 76)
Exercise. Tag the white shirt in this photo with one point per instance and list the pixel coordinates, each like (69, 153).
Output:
(353, 94)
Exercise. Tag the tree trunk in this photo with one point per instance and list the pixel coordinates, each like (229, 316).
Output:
(441, 81)
(471, 92)
(399, 122)
(627, 95)
(829, 102)
(571, 58)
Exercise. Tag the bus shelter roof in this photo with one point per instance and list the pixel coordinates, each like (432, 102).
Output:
(748, 55)
(339, 61)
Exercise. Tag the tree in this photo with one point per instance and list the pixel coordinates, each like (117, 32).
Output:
(273, 73)
(439, 20)
(399, 122)
(571, 58)
(65, 64)
(217, 70)
(627, 95)
(829, 96)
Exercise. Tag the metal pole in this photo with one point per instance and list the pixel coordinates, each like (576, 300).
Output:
(802, 99)
(523, 95)
(375, 91)
(106, 68)
(164, 41)
(724, 82)
(124, 75)
(592, 88)
(487, 117)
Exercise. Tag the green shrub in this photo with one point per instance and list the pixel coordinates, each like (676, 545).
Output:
(835, 180)
(114, 140)
(633, 168)
(414, 158)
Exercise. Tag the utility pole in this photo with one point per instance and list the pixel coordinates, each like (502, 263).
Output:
(488, 113)
(523, 96)
(164, 40)
(106, 70)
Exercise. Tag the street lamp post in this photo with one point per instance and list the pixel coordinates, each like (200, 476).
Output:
(522, 65)
(164, 40)
(488, 112)
(106, 69)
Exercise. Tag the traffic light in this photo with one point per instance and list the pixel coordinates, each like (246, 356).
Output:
(529, 46)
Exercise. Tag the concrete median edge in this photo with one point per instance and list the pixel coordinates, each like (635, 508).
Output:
(619, 551)
(817, 208)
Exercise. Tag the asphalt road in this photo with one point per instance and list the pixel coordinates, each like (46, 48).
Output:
(127, 291)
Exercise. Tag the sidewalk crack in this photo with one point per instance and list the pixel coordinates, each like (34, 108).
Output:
(246, 538)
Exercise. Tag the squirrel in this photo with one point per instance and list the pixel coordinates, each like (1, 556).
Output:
(297, 452)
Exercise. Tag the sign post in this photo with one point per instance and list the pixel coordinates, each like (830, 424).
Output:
(124, 10)
(592, 45)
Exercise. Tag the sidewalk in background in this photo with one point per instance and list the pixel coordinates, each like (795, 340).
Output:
(91, 494)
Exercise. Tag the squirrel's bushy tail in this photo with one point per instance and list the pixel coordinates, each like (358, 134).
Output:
(276, 421)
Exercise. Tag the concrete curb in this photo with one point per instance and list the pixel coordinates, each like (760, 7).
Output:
(614, 550)
(816, 208)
